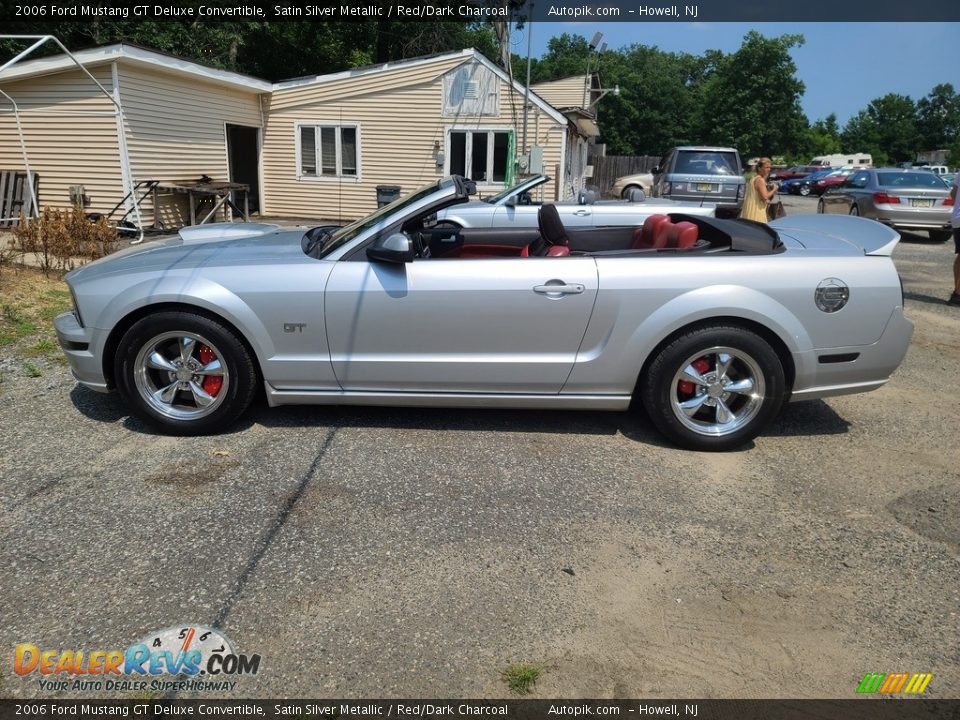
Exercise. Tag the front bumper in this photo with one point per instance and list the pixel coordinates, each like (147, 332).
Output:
(860, 368)
(81, 346)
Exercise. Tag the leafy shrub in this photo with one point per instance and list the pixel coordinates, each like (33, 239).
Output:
(58, 238)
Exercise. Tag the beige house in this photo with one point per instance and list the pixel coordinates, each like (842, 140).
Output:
(315, 147)
(180, 120)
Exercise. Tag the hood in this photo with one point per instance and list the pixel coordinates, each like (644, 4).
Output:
(197, 247)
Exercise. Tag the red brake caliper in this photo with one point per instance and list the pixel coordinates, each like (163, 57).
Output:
(701, 365)
(211, 383)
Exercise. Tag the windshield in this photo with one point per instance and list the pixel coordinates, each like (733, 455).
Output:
(698, 162)
(910, 180)
(326, 243)
(493, 199)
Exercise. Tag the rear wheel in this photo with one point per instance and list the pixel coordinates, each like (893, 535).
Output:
(714, 388)
(940, 235)
(804, 190)
(184, 373)
(855, 210)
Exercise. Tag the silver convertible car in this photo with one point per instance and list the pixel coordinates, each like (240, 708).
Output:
(516, 207)
(710, 324)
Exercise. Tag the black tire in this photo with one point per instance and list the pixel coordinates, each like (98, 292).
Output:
(664, 392)
(855, 210)
(940, 235)
(804, 190)
(165, 364)
(625, 194)
(821, 209)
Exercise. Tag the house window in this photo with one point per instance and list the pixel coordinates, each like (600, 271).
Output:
(481, 155)
(328, 151)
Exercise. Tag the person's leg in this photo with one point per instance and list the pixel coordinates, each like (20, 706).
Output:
(955, 297)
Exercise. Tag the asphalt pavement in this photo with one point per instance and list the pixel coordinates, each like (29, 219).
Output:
(367, 552)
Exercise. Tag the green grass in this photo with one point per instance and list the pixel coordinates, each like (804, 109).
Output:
(32, 370)
(17, 322)
(521, 677)
(29, 301)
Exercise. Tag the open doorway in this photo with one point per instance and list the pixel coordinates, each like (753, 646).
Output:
(243, 156)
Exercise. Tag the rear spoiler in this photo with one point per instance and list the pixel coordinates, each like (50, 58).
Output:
(870, 236)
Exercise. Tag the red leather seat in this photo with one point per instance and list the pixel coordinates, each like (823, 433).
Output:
(648, 236)
(684, 235)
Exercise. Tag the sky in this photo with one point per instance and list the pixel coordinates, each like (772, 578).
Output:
(843, 65)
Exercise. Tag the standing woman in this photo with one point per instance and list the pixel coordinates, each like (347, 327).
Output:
(757, 195)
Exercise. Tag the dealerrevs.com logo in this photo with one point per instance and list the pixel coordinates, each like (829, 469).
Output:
(894, 683)
(197, 657)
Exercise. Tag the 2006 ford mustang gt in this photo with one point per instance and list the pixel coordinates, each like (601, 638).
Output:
(711, 324)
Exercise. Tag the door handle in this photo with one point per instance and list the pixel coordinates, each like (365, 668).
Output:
(581, 213)
(559, 289)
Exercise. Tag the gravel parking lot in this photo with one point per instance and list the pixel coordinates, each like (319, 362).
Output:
(416, 553)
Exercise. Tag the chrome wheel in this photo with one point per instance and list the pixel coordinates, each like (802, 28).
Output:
(181, 375)
(804, 190)
(718, 391)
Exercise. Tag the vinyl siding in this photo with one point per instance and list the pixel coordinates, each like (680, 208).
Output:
(71, 135)
(175, 129)
(565, 93)
(399, 114)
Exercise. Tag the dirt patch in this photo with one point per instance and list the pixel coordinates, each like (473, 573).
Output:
(661, 630)
(192, 475)
(932, 512)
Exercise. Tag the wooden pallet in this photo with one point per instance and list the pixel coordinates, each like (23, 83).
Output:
(14, 196)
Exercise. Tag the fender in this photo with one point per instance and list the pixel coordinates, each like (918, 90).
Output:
(600, 368)
(198, 292)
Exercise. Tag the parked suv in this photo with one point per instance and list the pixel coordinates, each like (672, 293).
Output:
(703, 174)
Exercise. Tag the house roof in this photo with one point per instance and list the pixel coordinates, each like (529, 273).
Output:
(146, 56)
(135, 54)
(467, 55)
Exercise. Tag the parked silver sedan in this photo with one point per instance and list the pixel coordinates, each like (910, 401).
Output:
(903, 199)
(518, 207)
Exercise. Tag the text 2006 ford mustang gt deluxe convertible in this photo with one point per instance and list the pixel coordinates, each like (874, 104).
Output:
(711, 324)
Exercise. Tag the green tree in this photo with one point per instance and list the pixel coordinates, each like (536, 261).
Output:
(887, 129)
(751, 100)
(823, 138)
(938, 117)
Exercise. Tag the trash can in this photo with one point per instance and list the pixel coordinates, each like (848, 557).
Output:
(386, 194)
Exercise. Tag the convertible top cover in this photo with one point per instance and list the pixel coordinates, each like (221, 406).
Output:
(739, 235)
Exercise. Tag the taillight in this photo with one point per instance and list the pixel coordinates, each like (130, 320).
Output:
(948, 201)
(740, 192)
(884, 199)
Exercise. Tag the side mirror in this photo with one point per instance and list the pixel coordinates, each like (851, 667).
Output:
(511, 201)
(656, 170)
(395, 248)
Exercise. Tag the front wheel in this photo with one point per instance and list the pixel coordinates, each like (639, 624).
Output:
(184, 373)
(714, 388)
(855, 210)
(821, 207)
(804, 190)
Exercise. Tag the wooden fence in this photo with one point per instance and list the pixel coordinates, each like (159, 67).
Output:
(15, 196)
(607, 168)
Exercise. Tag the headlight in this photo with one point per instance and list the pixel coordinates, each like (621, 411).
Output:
(76, 307)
